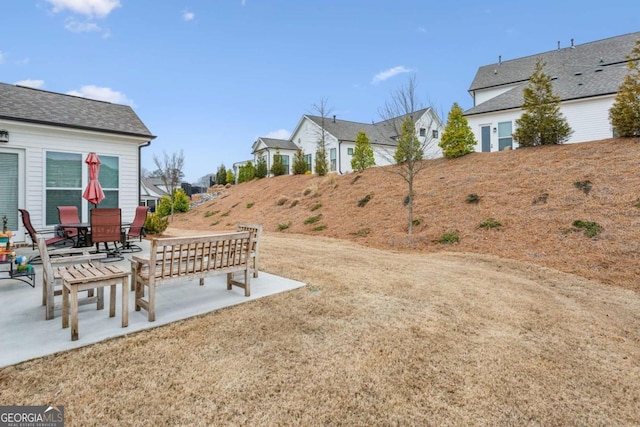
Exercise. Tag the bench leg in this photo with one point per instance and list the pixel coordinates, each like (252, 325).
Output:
(65, 307)
(152, 302)
(112, 300)
(74, 313)
(125, 302)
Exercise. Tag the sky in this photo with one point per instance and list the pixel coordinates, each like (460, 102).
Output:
(208, 77)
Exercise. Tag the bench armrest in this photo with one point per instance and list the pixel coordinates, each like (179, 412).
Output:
(140, 259)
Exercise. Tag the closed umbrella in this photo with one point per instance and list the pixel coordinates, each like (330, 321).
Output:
(93, 193)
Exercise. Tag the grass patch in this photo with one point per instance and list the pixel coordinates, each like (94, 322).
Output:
(449, 238)
(250, 205)
(319, 227)
(541, 199)
(472, 198)
(364, 200)
(363, 232)
(316, 207)
(585, 186)
(214, 223)
(225, 213)
(591, 229)
(313, 219)
(207, 214)
(354, 180)
(294, 203)
(282, 227)
(490, 223)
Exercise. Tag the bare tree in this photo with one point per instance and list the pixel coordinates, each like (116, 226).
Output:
(323, 111)
(399, 123)
(170, 171)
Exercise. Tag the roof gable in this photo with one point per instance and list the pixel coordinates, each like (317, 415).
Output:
(25, 104)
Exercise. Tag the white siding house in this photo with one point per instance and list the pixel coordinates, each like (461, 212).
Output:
(586, 78)
(340, 136)
(42, 158)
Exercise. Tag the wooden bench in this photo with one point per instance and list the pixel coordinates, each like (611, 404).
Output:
(178, 259)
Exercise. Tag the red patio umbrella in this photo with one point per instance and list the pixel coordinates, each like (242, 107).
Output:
(93, 193)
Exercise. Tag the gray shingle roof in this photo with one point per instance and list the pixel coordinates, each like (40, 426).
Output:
(582, 71)
(381, 133)
(283, 144)
(38, 106)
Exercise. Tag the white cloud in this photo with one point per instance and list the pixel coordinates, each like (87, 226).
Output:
(391, 72)
(97, 8)
(278, 134)
(81, 27)
(243, 2)
(102, 94)
(188, 16)
(36, 84)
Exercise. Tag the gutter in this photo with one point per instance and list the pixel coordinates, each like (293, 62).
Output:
(140, 147)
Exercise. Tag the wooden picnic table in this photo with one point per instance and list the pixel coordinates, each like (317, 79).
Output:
(90, 277)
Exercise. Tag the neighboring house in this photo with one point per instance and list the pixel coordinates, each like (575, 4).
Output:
(46, 137)
(586, 78)
(268, 147)
(340, 136)
(151, 191)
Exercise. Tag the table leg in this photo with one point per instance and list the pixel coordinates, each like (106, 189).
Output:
(74, 313)
(125, 302)
(65, 307)
(112, 300)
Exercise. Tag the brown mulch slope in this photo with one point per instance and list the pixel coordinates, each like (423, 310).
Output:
(535, 193)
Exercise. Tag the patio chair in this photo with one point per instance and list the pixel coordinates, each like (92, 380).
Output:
(69, 215)
(256, 232)
(135, 232)
(106, 227)
(57, 240)
(52, 269)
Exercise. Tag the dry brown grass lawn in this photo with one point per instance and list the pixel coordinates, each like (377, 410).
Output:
(540, 326)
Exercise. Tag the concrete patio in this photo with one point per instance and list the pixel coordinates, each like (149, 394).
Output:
(25, 334)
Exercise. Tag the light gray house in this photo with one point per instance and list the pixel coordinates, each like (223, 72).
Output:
(44, 140)
(340, 136)
(586, 77)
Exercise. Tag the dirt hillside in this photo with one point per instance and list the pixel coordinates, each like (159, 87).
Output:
(535, 194)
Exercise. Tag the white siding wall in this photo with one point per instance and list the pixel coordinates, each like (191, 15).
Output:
(36, 140)
(588, 118)
(307, 136)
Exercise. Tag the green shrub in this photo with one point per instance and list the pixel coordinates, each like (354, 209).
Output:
(225, 213)
(319, 228)
(282, 227)
(294, 203)
(250, 205)
(207, 214)
(449, 238)
(214, 223)
(490, 223)
(313, 219)
(585, 186)
(155, 224)
(363, 232)
(281, 201)
(472, 198)
(316, 207)
(180, 203)
(591, 229)
(364, 200)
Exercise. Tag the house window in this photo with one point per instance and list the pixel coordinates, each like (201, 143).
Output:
(285, 162)
(332, 158)
(307, 159)
(435, 134)
(63, 183)
(109, 178)
(504, 135)
(350, 151)
(423, 132)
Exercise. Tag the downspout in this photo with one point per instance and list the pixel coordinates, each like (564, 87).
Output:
(140, 147)
(339, 157)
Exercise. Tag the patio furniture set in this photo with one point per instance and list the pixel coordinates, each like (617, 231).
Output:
(80, 276)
